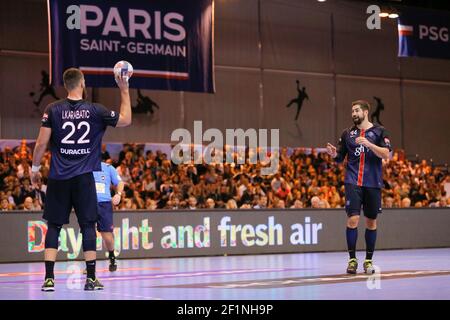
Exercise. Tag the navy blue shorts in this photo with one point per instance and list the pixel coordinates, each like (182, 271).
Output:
(105, 217)
(63, 195)
(367, 198)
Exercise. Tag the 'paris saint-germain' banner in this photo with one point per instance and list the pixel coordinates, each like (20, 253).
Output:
(423, 33)
(168, 42)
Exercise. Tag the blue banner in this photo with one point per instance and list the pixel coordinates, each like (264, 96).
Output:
(169, 43)
(423, 33)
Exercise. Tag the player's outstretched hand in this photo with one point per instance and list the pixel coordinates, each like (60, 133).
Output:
(122, 82)
(331, 150)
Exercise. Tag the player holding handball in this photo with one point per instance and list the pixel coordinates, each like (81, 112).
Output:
(365, 145)
(75, 127)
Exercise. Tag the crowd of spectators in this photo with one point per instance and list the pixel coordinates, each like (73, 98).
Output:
(152, 181)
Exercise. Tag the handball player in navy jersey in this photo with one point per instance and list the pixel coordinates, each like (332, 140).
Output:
(365, 145)
(74, 128)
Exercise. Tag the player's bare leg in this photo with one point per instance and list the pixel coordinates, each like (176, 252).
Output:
(50, 254)
(90, 255)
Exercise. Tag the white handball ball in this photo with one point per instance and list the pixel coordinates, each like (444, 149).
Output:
(124, 69)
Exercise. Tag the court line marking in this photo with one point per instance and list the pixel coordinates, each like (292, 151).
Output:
(38, 273)
(315, 280)
(167, 275)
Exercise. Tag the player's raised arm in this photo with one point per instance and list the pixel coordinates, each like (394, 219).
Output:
(125, 102)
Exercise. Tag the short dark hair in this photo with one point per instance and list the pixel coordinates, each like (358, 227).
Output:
(363, 104)
(72, 78)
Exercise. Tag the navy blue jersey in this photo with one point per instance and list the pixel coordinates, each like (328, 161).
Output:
(364, 168)
(77, 131)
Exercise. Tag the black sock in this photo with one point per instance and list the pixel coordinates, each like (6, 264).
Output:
(371, 238)
(49, 266)
(111, 255)
(352, 237)
(90, 268)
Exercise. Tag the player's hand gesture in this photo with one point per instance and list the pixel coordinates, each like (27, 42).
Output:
(331, 150)
(363, 141)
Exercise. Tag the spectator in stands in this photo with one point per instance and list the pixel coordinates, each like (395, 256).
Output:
(38, 193)
(442, 203)
(281, 204)
(5, 205)
(224, 194)
(388, 202)
(210, 204)
(124, 172)
(262, 203)
(284, 192)
(148, 183)
(231, 204)
(175, 203)
(397, 200)
(242, 186)
(26, 190)
(302, 178)
(10, 199)
(334, 197)
(315, 202)
(17, 198)
(128, 204)
(248, 195)
(151, 204)
(37, 205)
(28, 204)
(297, 205)
(137, 199)
(135, 174)
(406, 202)
(192, 203)
(23, 169)
(323, 201)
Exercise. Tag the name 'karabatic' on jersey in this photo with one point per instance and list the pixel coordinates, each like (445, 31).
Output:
(77, 131)
(364, 167)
